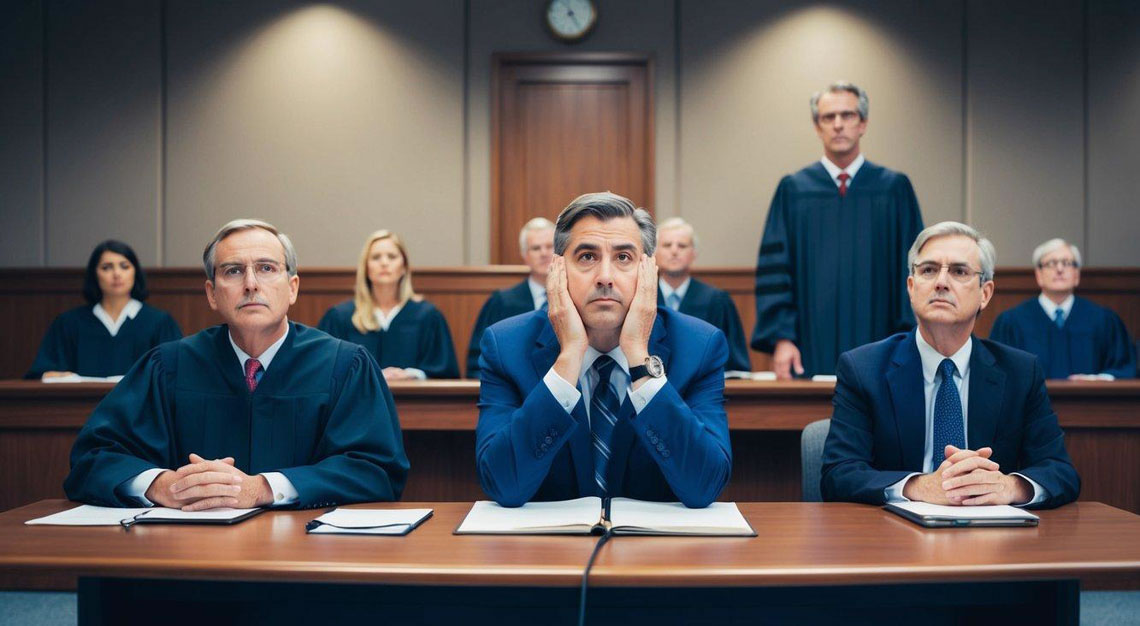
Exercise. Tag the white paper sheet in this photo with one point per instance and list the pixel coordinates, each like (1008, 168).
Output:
(76, 378)
(364, 521)
(89, 515)
(566, 516)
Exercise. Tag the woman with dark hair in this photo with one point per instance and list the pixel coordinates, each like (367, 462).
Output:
(107, 335)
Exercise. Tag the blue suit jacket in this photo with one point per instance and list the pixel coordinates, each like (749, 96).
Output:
(529, 448)
(878, 426)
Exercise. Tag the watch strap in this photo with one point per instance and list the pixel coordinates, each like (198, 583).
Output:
(638, 372)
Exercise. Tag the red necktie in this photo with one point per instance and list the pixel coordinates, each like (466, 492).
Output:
(251, 368)
(843, 177)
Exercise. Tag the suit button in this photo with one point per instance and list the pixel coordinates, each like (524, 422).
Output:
(654, 440)
(660, 447)
(549, 440)
(665, 453)
(650, 433)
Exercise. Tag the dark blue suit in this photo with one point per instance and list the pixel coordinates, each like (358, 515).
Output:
(878, 426)
(528, 448)
(715, 306)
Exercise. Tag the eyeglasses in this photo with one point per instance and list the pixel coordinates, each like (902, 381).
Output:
(846, 116)
(929, 271)
(1055, 263)
(263, 271)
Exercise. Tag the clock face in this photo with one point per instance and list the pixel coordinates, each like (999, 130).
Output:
(571, 19)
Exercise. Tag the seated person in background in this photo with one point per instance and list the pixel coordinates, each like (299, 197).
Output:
(937, 415)
(605, 394)
(1072, 337)
(258, 411)
(676, 251)
(107, 335)
(536, 243)
(408, 336)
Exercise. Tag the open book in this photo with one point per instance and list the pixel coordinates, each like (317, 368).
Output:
(941, 516)
(585, 516)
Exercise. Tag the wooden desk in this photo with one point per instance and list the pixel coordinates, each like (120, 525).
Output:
(854, 551)
(38, 424)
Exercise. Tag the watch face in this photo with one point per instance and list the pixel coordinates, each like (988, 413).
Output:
(655, 366)
(570, 19)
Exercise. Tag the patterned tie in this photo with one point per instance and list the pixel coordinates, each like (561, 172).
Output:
(604, 406)
(252, 367)
(674, 301)
(1059, 317)
(947, 414)
(843, 178)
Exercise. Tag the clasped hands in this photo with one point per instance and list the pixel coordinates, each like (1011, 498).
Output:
(203, 484)
(968, 478)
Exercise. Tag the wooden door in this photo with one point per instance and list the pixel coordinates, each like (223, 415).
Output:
(564, 125)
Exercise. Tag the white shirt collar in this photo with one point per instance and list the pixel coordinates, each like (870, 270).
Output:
(386, 320)
(932, 358)
(537, 292)
(833, 170)
(1050, 306)
(592, 355)
(667, 290)
(129, 312)
(266, 357)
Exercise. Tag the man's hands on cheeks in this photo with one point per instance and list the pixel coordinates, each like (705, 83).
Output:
(203, 484)
(968, 477)
(638, 324)
(567, 323)
(786, 358)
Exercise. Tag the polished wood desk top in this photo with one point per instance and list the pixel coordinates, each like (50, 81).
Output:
(798, 544)
(451, 404)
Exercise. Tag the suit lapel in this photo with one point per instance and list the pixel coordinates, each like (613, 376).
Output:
(987, 389)
(904, 379)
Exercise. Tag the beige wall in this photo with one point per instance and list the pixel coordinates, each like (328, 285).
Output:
(156, 122)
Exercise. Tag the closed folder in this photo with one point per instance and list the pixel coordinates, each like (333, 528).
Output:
(941, 516)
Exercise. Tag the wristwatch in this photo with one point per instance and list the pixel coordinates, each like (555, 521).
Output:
(653, 367)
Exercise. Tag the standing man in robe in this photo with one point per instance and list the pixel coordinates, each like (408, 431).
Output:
(1073, 337)
(832, 265)
(536, 244)
(678, 290)
(258, 411)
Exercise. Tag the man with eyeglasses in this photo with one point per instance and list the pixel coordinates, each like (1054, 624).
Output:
(1072, 337)
(258, 411)
(829, 275)
(937, 415)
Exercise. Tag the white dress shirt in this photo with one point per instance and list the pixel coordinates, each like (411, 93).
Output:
(128, 313)
(568, 395)
(931, 382)
(667, 290)
(537, 292)
(385, 321)
(283, 490)
(1051, 307)
(834, 170)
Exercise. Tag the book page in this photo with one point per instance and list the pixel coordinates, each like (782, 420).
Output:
(565, 516)
(637, 516)
(997, 511)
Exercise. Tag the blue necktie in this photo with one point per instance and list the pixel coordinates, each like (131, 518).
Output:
(1059, 317)
(674, 301)
(948, 428)
(604, 406)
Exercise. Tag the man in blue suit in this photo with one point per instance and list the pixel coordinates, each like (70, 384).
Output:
(605, 394)
(937, 415)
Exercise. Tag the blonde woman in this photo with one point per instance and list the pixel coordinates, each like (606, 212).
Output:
(406, 334)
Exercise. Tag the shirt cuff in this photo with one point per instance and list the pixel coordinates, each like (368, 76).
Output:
(284, 493)
(1039, 493)
(894, 493)
(139, 484)
(416, 373)
(566, 394)
(641, 396)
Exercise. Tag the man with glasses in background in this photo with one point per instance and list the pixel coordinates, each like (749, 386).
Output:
(937, 415)
(1072, 337)
(258, 411)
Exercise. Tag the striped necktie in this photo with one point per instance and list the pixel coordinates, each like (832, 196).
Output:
(604, 407)
(674, 301)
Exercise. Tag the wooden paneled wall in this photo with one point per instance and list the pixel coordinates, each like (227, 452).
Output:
(31, 298)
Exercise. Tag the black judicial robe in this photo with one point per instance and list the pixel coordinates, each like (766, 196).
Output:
(502, 304)
(78, 342)
(417, 337)
(831, 272)
(716, 307)
(321, 415)
(1093, 339)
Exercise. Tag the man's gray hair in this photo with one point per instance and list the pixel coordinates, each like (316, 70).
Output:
(247, 224)
(536, 224)
(604, 206)
(988, 254)
(836, 87)
(677, 222)
(1052, 246)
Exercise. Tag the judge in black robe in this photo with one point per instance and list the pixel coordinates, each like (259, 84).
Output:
(831, 272)
(1092, 339)
(85, 340)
